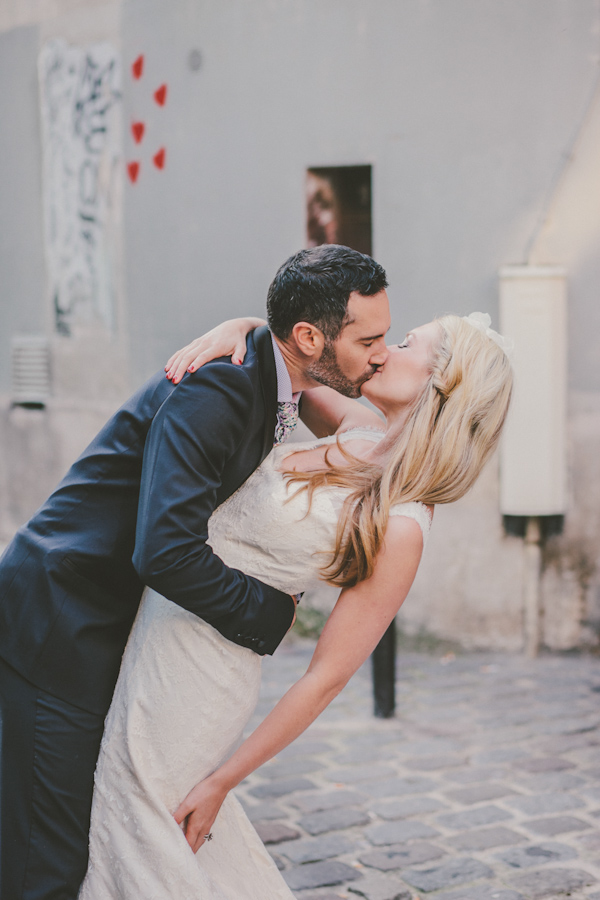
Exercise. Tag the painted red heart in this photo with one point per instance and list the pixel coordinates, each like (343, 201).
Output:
(133, 170)
(138, 66)
(137, 130)
(159, 158)
(160, 95)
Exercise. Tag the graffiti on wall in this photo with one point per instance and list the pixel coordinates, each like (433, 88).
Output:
(80, 97)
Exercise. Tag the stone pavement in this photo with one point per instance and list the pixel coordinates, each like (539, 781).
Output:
(486, 785)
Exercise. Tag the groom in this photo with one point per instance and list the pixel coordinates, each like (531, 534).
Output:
(133, 510)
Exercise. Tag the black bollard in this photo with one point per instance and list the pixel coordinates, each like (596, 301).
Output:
(384, 674)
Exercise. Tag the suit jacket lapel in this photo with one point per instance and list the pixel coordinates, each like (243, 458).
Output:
(268, 382)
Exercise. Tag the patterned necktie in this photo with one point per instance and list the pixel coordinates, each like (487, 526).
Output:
(287, 419)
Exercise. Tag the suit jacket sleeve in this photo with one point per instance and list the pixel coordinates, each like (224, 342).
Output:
(193, 435)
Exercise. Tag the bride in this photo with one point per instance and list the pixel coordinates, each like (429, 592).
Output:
(353, 509)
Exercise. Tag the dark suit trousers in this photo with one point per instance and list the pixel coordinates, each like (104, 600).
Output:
(48, 755)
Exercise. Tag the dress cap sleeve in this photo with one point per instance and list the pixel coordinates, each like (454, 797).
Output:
(417, 511)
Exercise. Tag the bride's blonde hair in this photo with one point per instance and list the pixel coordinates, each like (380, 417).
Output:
(435, 457)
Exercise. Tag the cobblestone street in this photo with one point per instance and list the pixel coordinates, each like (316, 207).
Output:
(486, 785)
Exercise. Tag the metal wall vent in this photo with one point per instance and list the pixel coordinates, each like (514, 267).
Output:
(30, 370)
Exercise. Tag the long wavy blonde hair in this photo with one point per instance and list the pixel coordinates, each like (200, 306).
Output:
(435, 457)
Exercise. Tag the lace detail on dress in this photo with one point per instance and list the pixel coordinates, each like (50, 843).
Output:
(183, 699)
(368, 432)
(417, 511)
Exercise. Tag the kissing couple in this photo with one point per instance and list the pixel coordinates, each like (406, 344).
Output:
(169, 560)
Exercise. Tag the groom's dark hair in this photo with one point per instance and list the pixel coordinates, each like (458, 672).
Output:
(315, 285)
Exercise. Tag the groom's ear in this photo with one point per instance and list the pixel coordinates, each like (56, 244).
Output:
(308, 339)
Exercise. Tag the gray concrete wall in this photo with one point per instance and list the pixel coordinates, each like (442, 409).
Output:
(22, 273)
(465, 110)
(89, 371)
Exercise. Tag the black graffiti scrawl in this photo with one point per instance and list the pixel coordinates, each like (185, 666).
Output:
(80, 93)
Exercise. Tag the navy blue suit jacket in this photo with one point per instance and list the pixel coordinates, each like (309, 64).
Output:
(133, 510)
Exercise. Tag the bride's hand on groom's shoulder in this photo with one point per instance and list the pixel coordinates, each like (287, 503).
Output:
(197, 813)
(227, 339)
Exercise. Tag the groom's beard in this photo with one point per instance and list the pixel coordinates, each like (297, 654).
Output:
(327, 371)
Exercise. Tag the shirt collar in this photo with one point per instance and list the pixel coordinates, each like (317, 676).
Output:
(284, 382)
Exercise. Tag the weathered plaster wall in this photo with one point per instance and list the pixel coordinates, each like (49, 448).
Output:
(89, 374)
(72, 19)
(569, 233)
(22, 264)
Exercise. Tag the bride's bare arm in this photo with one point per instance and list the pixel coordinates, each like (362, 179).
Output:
(226, 339)
(324, 411)
(351, 633)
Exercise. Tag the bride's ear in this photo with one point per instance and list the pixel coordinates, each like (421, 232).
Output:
(308, 339)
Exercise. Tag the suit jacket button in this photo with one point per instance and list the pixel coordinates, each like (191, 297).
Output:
(261, 645)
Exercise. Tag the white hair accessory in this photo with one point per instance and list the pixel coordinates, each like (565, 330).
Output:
(482, 322)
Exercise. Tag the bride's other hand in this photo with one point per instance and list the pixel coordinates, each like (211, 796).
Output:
(227, 339)
(198, 811)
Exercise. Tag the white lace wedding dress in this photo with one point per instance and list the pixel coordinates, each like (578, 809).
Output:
(181, 703)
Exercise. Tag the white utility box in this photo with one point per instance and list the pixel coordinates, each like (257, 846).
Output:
(533, 453)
